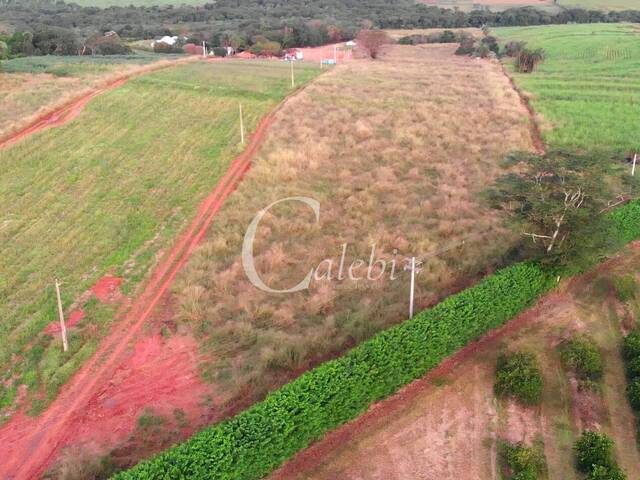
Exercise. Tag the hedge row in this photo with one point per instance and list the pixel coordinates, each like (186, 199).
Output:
(256, 441)
(631, 356)
(253, 443)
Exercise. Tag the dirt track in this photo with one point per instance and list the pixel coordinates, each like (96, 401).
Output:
(30, 445)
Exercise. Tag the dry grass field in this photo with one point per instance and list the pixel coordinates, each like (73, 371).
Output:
(395, 151)
(447, 425)
(32, 88)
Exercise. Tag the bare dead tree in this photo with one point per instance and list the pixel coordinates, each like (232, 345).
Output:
(372, 41)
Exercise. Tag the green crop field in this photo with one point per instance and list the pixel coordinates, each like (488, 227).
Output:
(588, 87)
(64, 66)
(104, 193)
(602, 4)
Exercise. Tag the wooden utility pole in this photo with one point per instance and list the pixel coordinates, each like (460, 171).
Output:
(241, 126)
(633, 169)
(63, 328)
(293, 80)
(414, 267)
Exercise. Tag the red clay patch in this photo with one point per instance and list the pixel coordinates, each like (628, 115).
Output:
(72, 320)
(107, 290)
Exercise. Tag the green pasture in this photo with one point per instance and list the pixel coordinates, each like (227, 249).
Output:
(66, 66)
(587, 90)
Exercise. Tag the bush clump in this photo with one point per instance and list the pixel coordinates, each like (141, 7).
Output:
(521, 462)
(625, 287)
(631, 346)
(527, 60)
(606, 473)
(518, 376)
(583, 358)
(513, 48)
(594, 449)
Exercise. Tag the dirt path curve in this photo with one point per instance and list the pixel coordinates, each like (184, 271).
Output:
(29, 445)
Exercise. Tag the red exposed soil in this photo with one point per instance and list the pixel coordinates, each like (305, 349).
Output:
(107, 290)
(73, 319)
(114, 382)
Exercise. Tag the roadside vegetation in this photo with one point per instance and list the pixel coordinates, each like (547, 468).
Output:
(78, 210)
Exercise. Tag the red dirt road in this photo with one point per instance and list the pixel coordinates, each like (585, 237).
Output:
(28, 446)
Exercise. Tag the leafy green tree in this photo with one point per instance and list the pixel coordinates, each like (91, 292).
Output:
(557, 202)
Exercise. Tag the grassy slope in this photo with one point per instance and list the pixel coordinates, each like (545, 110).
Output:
(32, 86)
(105, 192)
(588, 87)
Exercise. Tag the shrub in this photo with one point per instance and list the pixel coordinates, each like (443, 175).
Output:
(583, 358)
(625, 287)
(220, 51)
(594, 449)
(633, 394)
(522, 462)
(518, 376)
(606, 473)
(467, 46)
(631, 346)
(527, 60)
(253, 443)
(632, 368)
(513, 48)
(627, 221)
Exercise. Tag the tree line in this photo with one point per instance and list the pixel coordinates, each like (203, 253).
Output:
(244, 24)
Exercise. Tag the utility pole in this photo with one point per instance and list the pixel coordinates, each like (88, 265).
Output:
(414, 267)
(204, 50)
(241, 125)
(633, 169)
(63, 328)
(293, 80)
